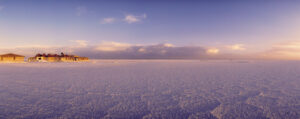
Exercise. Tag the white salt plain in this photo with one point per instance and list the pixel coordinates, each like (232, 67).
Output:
(170, 89)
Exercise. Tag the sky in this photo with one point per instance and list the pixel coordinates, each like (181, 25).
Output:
(187, 29)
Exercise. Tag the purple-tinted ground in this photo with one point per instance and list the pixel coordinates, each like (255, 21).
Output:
(151, 89)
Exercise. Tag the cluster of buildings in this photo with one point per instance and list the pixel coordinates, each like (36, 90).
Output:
(42, 58)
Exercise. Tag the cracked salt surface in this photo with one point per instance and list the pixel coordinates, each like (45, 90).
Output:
(151, 89)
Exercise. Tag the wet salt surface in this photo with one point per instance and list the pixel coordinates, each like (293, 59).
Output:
(151, 89)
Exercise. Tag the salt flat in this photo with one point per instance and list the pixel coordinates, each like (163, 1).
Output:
(173, 89)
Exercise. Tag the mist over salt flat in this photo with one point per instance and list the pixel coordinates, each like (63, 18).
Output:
(151, 89)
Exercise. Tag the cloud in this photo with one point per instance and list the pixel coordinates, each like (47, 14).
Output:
(286, 50)
(80, 43)
(117, 50)
(108, 20)
(158, 51)
(236, 47)
(212, 51)
(142, 50)
(81, 10)
(133, 19)
(112, 46)
(168, 45)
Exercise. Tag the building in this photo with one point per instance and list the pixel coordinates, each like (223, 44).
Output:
(56, 58)
(12, 58)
